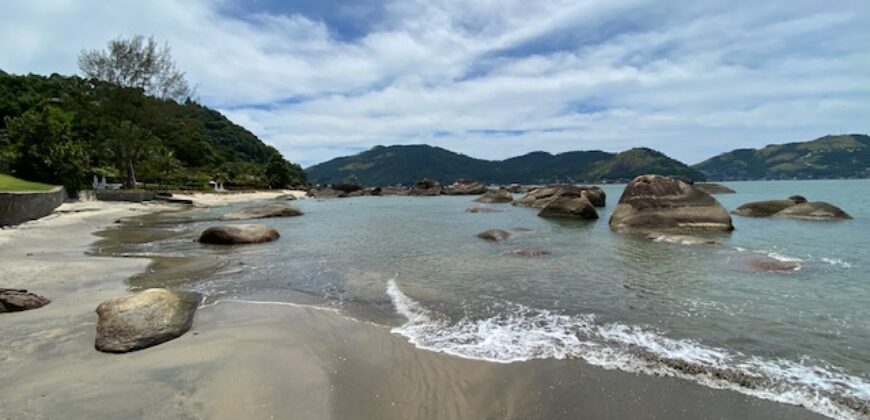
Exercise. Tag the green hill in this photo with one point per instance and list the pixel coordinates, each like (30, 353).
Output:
(406, 164)
(62, 130)
(843, 156)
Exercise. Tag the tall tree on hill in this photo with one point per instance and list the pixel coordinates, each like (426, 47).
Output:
(137, 63)
(134, 65)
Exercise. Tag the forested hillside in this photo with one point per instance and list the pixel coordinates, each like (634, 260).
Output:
(842, 156)
(64, 129)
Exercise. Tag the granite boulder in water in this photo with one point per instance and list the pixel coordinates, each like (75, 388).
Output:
(426, 187)
(495, 235)
(713, 188)
(540, 197)
(495, 196)
(662, 203)
(814, 210)
(767, 208)
(144, 319)
(263, 212)
(238, 234)
(464, 186)
(570, 207)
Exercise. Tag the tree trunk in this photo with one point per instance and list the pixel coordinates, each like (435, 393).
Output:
(131, 175)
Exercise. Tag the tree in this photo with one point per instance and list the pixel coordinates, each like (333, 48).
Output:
(46, 151)
(137, 63)
(280, 173)
(160, 164)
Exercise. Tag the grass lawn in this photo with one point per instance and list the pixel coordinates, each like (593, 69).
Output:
(10, 183)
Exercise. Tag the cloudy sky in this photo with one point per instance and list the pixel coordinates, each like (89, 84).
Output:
(491, 79)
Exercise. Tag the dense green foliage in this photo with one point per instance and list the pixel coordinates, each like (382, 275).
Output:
(407, 164)
(63, 130)
(844, 156)
(10, 183)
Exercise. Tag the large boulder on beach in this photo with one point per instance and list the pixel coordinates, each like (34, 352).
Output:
(238, 234)
(767, 208)
(263, 212)
(495, 196)
(426, 187)
(713, 188)
(815, 210)
(570, 207)
(540, 197)
(662, 203)
(144, 319)
(16, 300)
(495, 235)
(464, 186)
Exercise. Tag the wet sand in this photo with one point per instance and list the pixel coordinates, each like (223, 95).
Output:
(262, 361)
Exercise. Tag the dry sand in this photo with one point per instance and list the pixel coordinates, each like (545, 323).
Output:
(221, 199)
(272, 361)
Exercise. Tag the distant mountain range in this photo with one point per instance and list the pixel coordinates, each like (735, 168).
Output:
(843, 156)
(846, 156)
(407, 164)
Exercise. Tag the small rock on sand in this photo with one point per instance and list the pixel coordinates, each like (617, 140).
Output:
(15, 300)
(144, 319)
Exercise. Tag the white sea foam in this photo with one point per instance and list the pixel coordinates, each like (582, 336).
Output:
(837, 262)
(523, 333)
(783, 258)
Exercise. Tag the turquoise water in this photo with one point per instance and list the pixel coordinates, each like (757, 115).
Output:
(613, 300)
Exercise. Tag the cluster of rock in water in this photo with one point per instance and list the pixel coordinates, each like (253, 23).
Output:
(663, 208)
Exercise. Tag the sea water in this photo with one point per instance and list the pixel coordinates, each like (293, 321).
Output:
(618, 301)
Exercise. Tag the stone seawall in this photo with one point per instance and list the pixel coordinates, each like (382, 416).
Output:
(19, 207)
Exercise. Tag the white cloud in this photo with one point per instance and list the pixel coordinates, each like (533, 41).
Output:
(690, 80)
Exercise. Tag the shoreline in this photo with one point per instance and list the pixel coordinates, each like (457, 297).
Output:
(273, 360)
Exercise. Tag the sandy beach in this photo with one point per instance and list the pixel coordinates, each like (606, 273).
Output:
(260, 360)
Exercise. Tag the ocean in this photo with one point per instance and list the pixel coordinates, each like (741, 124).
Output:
(618, 301)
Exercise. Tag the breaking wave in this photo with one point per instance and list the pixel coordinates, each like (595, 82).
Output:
(523, 333)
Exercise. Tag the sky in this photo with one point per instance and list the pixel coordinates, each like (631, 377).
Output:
(491, 79)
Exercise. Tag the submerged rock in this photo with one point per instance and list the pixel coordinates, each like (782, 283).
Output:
(661, 203)
(530, 252)
(483, 210)
(144, 319)
(764, 263)
(286, 197)
(238, 234)
(16, 300)
(495, 196)
(815, 210)
(464, 186)
(262, 212)
(768, 207)
(572, 207)
(713, 188)
(496, 235)
(681, 239)
(426, 187)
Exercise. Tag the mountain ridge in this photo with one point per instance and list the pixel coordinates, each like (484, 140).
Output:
(405, 164)
(831, 156)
